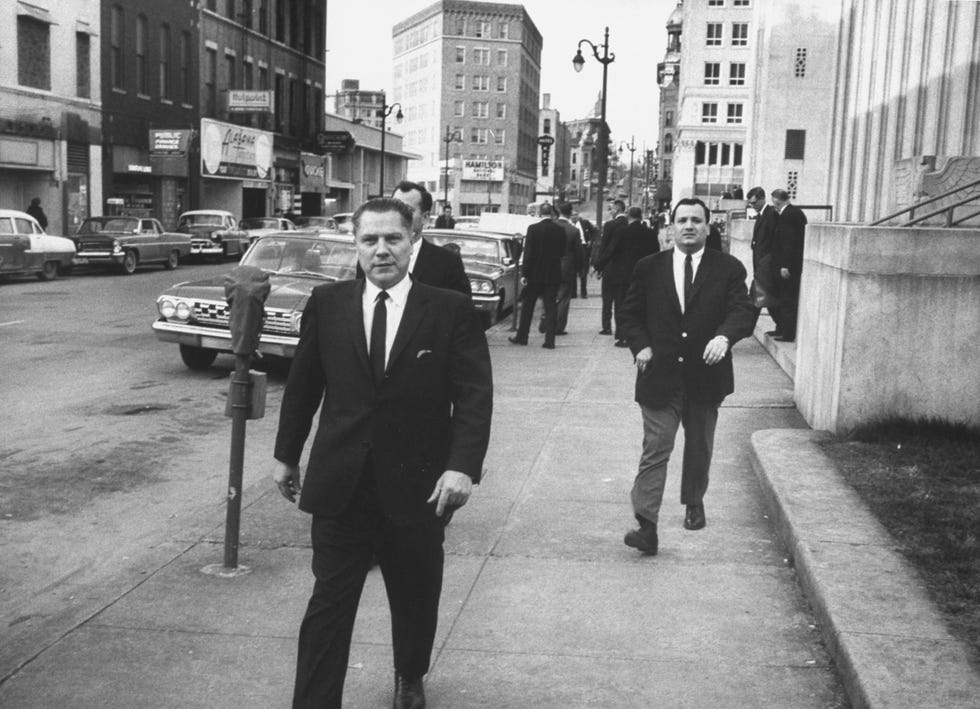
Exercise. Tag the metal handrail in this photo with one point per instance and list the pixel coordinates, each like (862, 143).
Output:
(911, 210)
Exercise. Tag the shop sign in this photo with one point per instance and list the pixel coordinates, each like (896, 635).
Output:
(240, 101)
(139, 168)
(490, 170)
(334, 141)
(169, 142)
(312, 170)
(234, 151)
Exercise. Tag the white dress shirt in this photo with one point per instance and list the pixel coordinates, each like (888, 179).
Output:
(395, 305)
(679, 258)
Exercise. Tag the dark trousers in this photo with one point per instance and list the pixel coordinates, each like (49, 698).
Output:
(411, 561)
(659, 431)
(548, 293)
(563, 300)
(613, 295)
(785, 313)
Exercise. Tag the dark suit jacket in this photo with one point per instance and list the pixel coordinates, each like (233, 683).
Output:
(573, 255)
(787, 247)
(652, 317)
(543, 249)
(763, 235)
(608, 229)
(439, 267)
(627, 246)
(430, 414)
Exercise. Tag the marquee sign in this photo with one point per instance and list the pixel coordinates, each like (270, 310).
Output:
(234, 152)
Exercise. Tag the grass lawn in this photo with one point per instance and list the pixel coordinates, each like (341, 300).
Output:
(921, 479)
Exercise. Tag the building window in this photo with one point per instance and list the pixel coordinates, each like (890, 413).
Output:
(479, 135)
(714, 34)
(264, 16)
(501, 84)
(142, 80)
(574, 172)
(498, 136)
(795, 144)
(740, 34)
(709, 112)
(712, 73)
(458, 108)
(33, 53)
(185, 68)
(667, 170)
(460, 81)
(461, 26)
(116, 47)
(248, 76)
(230, 68)
(792, 183)
(165, 79)
(481, 109)
(460, 55)
(502, 111)
(740, 3)
(668, 143)
(545, 125)
(83, 65)
(734, 113)
(210, 82)
(482, 28)
(263, 78)
(481, 83)
(501, 57)
(481, 56)
(799, 66)
(736, 74)
(716, 3)
(726, 154)
(503, 29)
(668, 118)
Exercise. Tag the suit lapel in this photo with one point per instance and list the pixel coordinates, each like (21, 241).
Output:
(354, 315)
(415, 307)
(670, 284)
(702, 275)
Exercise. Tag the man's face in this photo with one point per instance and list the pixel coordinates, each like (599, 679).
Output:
(690, 228)
(384, 246)
(757, 204)
(414, 200)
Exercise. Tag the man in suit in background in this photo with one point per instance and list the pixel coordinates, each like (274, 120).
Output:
(403, 373)
(571, 262)
(544, 245)
(787, 262)
(684, 310)
(762, 241)
(601, 257)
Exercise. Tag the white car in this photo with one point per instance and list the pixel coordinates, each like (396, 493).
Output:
(26, 249)
(260, 226)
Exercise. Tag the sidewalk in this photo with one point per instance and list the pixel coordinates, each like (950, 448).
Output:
(542, 605)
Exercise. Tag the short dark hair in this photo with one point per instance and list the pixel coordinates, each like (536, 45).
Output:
(691, 201)
(565, 209)
(619, 204)
(756, 193)
(781, 195)
(379, 205)
(546, 210)
(634, 213)
(405, 186)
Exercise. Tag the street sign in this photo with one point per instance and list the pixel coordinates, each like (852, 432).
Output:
(335, 141)
(546, 140)
(242, 101)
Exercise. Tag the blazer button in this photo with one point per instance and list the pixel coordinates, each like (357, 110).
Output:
(683, 334)
(680, 359)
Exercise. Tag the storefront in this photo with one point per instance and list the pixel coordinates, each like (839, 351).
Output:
(27, 165)
(131, 190)
(236, 165)
(312, 183)
(169, 158)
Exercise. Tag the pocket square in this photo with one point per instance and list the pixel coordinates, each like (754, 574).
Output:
(423, 353)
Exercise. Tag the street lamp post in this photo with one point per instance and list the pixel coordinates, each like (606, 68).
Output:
(631, 146)
(384, 112)
(454, 136)
(606, 59)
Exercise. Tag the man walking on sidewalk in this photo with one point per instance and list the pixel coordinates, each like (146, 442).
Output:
(571, 262)
(543, 246)
(684, 310)
(601, 258)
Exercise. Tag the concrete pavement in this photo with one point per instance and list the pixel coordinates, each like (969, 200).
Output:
(543, 605)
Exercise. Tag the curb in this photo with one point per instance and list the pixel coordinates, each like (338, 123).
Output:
(888, 640)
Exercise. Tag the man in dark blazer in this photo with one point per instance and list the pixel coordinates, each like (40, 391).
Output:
(626, 246)
(762, 241)
(403, 373)
(544, 245)
(787, 263)
(684, 310)
(571, 262)
(602, 257)
(429, 264)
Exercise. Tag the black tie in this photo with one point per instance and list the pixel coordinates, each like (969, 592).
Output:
(379, 327)
(688, 279)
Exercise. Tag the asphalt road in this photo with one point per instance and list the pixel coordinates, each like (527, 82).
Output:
(106, 439)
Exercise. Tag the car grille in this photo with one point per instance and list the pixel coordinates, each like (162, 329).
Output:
(218, 314)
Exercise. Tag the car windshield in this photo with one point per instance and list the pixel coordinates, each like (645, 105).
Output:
(259, 223)
(189, 220)
(318, 258)
(118, 224)
(470, 248)
(313, 221)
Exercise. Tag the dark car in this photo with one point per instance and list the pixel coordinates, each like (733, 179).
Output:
(490, 260)
(213, 232)
(195, 314)
(128, 242)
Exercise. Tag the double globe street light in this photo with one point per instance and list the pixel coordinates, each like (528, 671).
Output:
(384, 112)
(606, 59)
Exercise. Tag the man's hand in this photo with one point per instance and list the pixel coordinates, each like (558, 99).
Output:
(716, 350)
(643, 358)
(452, 490)
(286, 478)
(784, 273)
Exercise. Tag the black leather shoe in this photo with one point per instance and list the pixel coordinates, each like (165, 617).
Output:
(563, 332)
(784, 338)
(644, 539)
(622, 343)
(514, 340)
(694, 518)
(605, 331)
(549, 345)
(774, 333)
(409, 693)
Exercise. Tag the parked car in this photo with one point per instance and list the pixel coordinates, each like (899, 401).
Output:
(213, 232)
(344, 223)
(321, 224)
(260, 226)
(195, 315)
(128, 242)
(490, 260)
(26, 249)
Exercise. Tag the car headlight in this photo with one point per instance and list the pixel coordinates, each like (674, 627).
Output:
(116, 247)
(183, 310)
(295, 321)
(478, 285)
(166, 307)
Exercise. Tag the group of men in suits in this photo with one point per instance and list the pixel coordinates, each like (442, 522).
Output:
(777, 258)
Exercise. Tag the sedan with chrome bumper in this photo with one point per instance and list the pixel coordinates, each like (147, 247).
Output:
(128, 242)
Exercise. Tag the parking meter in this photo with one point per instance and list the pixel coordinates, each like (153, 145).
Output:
(246, 289)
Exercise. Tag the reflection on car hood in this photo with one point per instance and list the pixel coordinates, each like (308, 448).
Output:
(482, 270)
(286, 292)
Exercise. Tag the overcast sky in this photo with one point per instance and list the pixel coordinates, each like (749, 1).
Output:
(359, 47)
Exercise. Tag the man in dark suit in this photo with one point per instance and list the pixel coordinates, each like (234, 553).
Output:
(589, 247)
(602, 258)
(429, 264)
(544, 245)
(684, 310)
(403, 373)
(762, 241)
(571, 262)
(626, 246)
(787, 263)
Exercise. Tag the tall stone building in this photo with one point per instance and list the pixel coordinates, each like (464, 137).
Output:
(471, 70)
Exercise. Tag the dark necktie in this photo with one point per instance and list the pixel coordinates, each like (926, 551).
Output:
(379, 328)
(688, 279)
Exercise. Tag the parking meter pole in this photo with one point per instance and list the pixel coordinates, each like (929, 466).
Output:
(239, 415)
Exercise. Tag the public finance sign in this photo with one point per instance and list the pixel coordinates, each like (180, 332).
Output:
(486, 170)
(235, 152)
(241, 101)
(169, 142)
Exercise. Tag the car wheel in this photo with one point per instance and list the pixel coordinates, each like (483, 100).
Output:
(49, 271)
(197, 357)
(500, 305)
(172, 260)
(128, 265)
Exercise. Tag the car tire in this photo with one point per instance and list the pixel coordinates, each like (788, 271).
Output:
(49, 271)
(129, 262)
(197, 358)
(173, 259)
